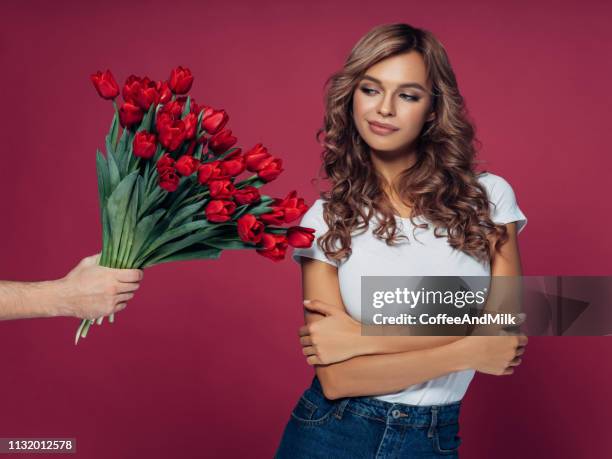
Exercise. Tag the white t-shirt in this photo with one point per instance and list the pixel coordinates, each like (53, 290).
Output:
(425, 256)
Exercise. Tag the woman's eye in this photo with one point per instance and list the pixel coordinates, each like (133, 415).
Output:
(367, 91)
(408, 97)
(411, 98)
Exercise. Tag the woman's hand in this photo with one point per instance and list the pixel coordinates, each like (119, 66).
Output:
(494, 355)
(332, 339)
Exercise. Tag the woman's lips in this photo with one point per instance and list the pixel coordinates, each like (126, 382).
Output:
(379, 130)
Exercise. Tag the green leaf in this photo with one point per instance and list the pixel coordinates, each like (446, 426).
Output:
(175, 246)
(145, 174)
(117, 207)
(107, 240)
(197, 154)
(240, 211)
(176, 197)
(185, 213)
(227, 153)
(167, 236)
(129, 224)
(187, 107)
(142, 233)
(103, 178)
(120, 154)
(229, 244)
(158, 153)
(147, 120)
(152, 200)
(261, 207)
(210, 253)
(111, 137)
(113, 171)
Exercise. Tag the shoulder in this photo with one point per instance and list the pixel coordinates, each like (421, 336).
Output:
(502, 199)
(314, 212)
(313, 218)
(494, 184)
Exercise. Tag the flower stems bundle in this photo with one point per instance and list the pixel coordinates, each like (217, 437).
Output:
(168, 184)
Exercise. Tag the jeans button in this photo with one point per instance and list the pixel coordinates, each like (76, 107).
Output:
(396, 413)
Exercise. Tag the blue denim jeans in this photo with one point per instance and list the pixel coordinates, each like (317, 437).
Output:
(365, 427)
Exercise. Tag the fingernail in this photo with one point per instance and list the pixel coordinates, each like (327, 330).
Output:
(306, 301)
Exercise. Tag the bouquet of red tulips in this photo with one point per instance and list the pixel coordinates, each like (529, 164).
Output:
(168, 185)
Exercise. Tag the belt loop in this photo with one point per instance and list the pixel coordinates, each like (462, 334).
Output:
(341, 407)
(434, 421)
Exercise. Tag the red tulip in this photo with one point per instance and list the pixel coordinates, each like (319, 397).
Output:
(181, 80)
(174, 108)
(218, 210)
(250, 229)
(222, 141)
(186, 165)
(147, 95)
(165, 162)
(168, 180)
(233, 164)
(163, 119)
(299, 236)
(191, 121)
(285, 210)
(172, 135)
(274, 246)
(257, 157)
(130, 115)
(131, 88)
(271, 170)
(214, 120)
(144, 144)
(221, 189)
(210, 171)
(105, 84)
(247, 195)
(164, 92)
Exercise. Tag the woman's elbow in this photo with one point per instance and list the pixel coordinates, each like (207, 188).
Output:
(330, 382)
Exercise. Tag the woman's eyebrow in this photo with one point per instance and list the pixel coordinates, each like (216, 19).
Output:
(403, 85)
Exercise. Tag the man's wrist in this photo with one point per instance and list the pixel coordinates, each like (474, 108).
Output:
(58, 295)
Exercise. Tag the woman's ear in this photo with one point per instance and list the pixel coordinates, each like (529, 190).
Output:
(431, 116)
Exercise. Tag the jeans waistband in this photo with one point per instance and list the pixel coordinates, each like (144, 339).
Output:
(396, 413)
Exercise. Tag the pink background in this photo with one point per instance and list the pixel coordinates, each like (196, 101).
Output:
(205, 361)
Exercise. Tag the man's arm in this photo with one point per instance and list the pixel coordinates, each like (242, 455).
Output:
(88, 291)
(24, 300)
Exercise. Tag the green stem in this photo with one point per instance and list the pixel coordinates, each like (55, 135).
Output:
(196, 197)
(247, 181)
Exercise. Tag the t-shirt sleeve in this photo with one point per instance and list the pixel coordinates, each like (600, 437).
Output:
(504, 208)
(313, 218)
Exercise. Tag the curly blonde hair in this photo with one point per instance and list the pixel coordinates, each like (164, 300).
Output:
(442, 185)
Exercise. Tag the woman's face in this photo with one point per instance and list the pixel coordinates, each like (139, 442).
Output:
(394, 91)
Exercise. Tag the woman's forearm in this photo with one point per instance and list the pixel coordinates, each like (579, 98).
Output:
(391, 344)
(388, 373)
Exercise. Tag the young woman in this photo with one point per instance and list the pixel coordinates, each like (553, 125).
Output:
(399, 154)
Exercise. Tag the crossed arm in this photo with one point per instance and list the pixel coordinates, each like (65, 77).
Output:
(376, 365)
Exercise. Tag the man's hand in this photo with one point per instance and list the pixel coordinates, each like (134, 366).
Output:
(91, 291)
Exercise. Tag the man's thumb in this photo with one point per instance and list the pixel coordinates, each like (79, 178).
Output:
(319, 306)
